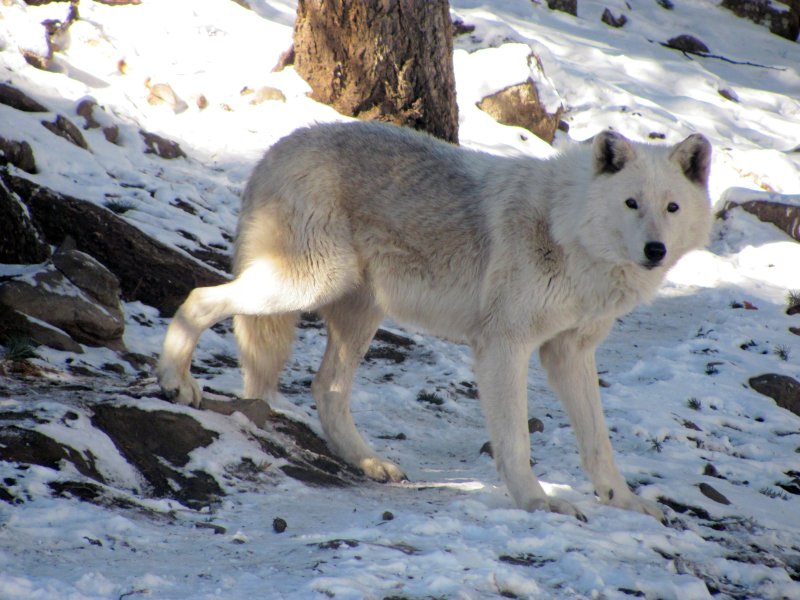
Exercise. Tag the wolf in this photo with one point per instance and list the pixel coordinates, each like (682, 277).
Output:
(362, 220)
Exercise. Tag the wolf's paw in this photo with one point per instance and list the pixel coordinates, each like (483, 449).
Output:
(179, 389)
(631, 501)
(382, 470)
(556, 505)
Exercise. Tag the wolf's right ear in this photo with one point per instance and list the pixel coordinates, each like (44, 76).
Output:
(611, 151)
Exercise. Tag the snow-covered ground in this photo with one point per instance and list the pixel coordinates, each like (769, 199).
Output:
(677, 398)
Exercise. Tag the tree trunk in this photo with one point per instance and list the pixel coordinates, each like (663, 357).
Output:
(387, 60)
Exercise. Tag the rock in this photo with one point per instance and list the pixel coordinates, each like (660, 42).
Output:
(729, 94)
(712, 494)
(20, 241)
(111, 133)
(279, 525)
(162, 93)
(16, 326)
(66, 129)
(267, 93)
(155, 144)
(147, 270)
(785, 23)
(22, 445)
(49, 296)
(687, 43)
(519, 105)
(783, 389)
(461, 28)
(784, 216)
(158, 444)
(19, 154)
(85, 109)
(88, 274)
(567, 6)
(88, 108)
(11, 96)
(609, 19)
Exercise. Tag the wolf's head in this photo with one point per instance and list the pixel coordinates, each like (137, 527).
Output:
(647, 204)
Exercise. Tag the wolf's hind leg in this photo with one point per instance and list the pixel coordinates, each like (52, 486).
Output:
(264, 345)
(260, 289)
(351, 323)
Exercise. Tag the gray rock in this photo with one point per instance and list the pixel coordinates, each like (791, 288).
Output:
(785, 23)
(567, 6)
(88, 274)
(783, 389)
(16, 326)
(49, 296)
(519, 105)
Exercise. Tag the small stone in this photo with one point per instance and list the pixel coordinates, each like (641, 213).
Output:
(687, 43)
(519, 105)
(712, 494)
(609, 19)
(567, 6)
(239, 538)
(217, 529)
(166, 149)
(729, 95)
(11, 96)
(279, 525)
(461, 28)
(85, 109)
(387, 515)
(487, 449)
(66, 129)
(19, 154)
(111, 134)
(267, 93)
(535, 425)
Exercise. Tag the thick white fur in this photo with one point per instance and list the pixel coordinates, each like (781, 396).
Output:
(364, 220)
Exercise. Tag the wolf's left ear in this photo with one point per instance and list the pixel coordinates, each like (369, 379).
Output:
(611, 151)
(694, 157)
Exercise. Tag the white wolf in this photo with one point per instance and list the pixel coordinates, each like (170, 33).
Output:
(358, 221)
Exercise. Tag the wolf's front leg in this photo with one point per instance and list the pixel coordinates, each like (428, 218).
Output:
(501, 370)
(572, 373)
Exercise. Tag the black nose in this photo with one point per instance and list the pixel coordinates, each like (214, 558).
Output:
(655, 251)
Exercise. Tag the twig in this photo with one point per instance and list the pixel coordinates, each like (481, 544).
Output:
(686, 53)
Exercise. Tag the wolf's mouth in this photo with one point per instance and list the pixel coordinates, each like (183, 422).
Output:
(650, 265)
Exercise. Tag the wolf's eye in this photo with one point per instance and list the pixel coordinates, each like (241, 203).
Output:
(631, 203)
(673, 207)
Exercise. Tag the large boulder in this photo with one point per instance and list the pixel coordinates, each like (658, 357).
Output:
(147, 270)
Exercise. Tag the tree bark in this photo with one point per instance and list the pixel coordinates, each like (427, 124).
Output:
(387, 60)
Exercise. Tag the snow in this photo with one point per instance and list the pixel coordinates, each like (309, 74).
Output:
(686, 357)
